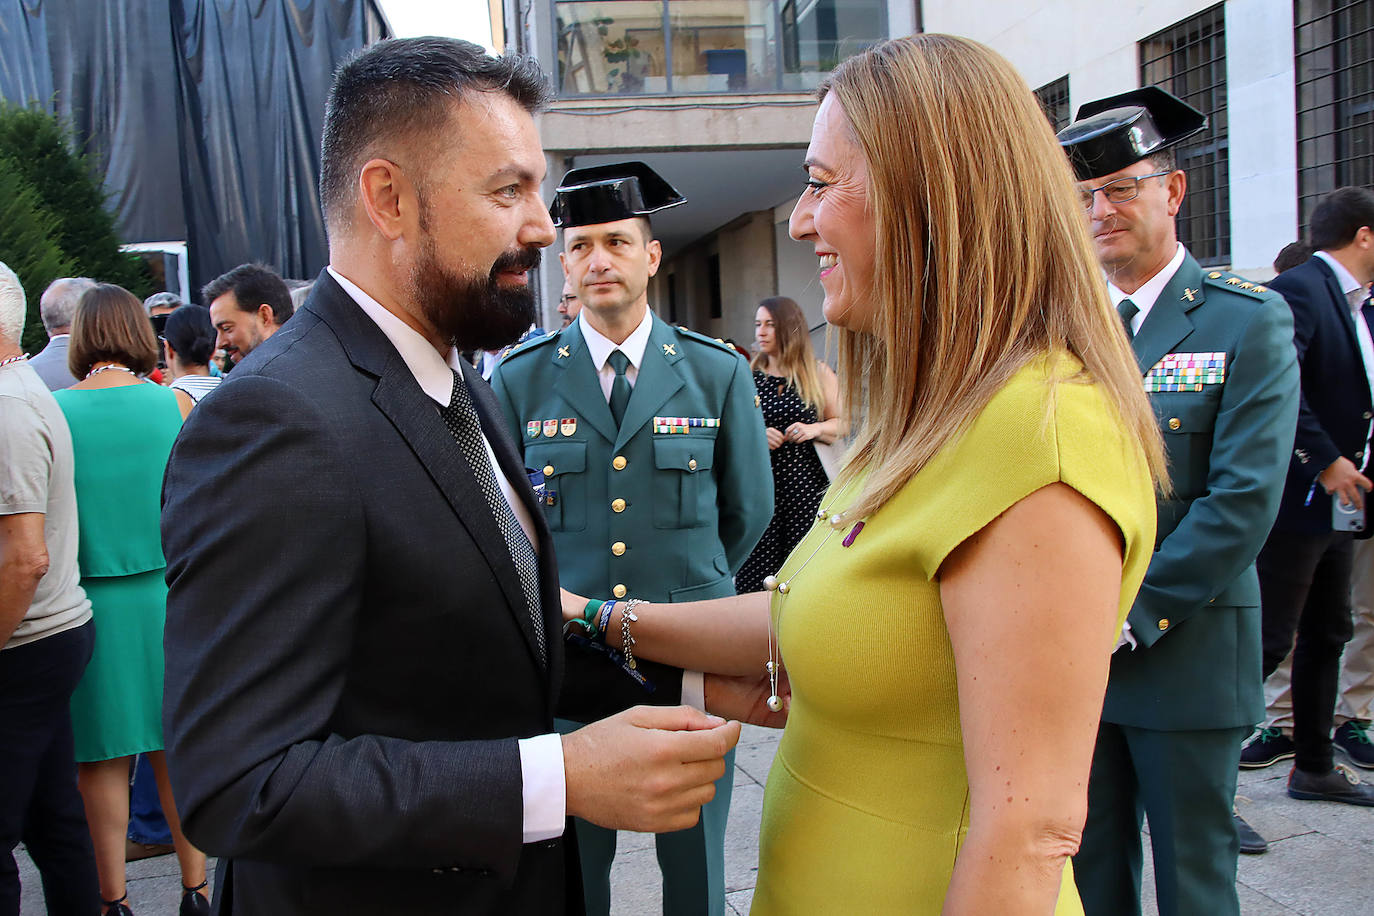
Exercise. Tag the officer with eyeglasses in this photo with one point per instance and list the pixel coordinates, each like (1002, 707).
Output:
(1216, 352)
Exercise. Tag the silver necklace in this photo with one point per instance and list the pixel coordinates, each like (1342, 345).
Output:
(836, 521)
(95, 372)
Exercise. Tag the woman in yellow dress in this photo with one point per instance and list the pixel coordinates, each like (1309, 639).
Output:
(946, 624)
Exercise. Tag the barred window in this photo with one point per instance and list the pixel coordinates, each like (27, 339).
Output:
(1189, 60)
(1054, 99)
(1334, 62)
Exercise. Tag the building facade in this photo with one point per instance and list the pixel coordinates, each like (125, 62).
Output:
(718, 95)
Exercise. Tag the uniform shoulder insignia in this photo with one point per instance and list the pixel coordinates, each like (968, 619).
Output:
(1234, 283)
(534, 343)
(714, 342)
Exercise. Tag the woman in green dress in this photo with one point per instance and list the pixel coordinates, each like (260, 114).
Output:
(122, 432)
(948, 621)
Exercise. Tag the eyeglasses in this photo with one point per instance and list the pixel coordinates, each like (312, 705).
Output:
(1116, 192)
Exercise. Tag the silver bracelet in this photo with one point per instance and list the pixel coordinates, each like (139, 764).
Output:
(627, 641)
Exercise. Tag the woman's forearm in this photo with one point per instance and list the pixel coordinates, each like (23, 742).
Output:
(1011, 868)
(721, 636)
(827, 431)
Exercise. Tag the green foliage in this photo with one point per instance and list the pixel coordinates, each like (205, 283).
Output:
(39, 154)
(27, 244)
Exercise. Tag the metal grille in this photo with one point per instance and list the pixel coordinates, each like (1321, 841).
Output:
(1334, 63)
(1054, 99)
(1189, 60)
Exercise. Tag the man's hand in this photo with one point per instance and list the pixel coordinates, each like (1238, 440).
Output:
(746, 698)
(775, 437)
(1344, 481)
(648, 769)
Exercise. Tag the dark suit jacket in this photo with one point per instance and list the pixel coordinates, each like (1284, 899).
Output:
(349, 663)
(1197, 614)
(1335, 407)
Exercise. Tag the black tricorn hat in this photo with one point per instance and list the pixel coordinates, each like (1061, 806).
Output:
(606, 193)
(1121, 130)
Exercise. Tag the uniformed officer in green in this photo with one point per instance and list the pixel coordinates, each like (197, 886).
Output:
(654, 459)
(1217, 356)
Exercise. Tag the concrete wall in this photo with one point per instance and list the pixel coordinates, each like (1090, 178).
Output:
(748, 273)
(1097, 48)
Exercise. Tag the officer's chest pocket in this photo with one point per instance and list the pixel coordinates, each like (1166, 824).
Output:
(682, 481)
(1187, 420)
(565, 488)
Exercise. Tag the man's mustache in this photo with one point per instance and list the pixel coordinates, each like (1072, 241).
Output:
(522, 259)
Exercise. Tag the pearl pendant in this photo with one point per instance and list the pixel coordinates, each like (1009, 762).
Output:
(837, 521)
(784, 588)
(770, 582)
(770, 666)
(775, 703)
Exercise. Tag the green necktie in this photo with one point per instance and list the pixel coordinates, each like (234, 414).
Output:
(1127, 310)
(620, 388)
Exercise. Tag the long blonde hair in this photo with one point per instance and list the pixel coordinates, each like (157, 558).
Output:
(795, 356)
(983, 259)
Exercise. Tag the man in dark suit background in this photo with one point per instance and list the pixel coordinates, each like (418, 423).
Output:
(1306, 565)
(359, 714)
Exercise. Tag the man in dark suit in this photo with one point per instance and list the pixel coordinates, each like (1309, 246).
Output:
(363, 653)
(1305, 568)
(1217, 355)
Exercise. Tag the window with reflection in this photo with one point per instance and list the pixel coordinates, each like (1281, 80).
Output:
(642, 47)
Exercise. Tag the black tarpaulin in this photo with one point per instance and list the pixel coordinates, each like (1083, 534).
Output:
(204, 117)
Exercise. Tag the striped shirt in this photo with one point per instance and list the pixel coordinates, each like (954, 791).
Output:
(196, 386)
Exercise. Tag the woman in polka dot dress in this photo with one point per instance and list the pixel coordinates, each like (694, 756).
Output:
(800, 400)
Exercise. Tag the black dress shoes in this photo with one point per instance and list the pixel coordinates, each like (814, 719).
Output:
(1339, 785)
(1251, 843)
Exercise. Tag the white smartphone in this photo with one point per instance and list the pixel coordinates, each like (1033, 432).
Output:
(1345, 517)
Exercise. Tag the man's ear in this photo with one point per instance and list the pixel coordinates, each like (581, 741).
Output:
(563, 262)
(266, 315)
(1177, 183)
(383, 187)
(655, 251)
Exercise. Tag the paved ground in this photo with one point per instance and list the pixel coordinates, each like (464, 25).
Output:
(1320, 863)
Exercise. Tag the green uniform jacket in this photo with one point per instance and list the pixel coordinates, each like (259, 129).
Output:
(1197, 617)
(638, 512)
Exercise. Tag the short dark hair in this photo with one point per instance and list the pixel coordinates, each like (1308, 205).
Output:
(1291, 255)
(252, 285)
(190, 334)
(111, 326)
(1339, 216)
(404, 88)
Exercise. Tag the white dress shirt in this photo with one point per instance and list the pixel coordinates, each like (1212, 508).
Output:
(1145, 297)
(1355, 296)
(543, 785)
(599, 348)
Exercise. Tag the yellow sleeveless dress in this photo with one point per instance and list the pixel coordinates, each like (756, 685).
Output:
(867, 802)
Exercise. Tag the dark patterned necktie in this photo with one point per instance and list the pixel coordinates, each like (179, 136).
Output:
(1127, 310)
(461, 419)
(620, 388)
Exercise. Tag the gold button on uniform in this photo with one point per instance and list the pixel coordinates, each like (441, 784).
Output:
(618, 548)
(691, 464)
(1164, 623)
(1175, 422)
(619, 462)
(548, 470)
(617, 505)
(618, 591)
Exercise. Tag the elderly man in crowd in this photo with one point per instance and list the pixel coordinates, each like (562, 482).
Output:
(57, 306)
(46, 634)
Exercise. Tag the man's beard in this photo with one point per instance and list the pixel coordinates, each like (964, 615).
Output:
(475, 313)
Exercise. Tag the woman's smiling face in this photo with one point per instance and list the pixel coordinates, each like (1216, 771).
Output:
(833, 215)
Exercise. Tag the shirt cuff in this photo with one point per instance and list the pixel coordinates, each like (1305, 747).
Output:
(543, 787)
(1127, 637)
(694, 690)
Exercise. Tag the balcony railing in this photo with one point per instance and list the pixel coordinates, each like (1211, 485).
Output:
(684, 47)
